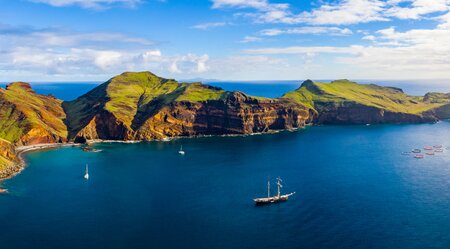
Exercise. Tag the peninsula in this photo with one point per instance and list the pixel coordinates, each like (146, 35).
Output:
(142, 106)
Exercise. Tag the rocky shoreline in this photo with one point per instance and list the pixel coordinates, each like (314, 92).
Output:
(140, 106)
(16, 167)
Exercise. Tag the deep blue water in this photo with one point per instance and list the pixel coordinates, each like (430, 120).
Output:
(272, 89)
(354, 190)
(72, 90)
(65, 91)
(263, 89)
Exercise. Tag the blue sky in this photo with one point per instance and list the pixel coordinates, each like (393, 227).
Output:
(83, 40)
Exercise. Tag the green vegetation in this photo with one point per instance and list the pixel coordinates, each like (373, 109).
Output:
(128, 91)
(128, 100)
(314, 94)
(24, 111)
(199, 92)
(133, 97)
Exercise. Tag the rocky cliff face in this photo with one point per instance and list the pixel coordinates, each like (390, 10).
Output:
(355, 113)
(9, 163)
(346, 102)
(237, 113)
(143, 106)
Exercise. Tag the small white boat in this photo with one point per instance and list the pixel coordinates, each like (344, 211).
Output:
(86, 176)
(181, 151)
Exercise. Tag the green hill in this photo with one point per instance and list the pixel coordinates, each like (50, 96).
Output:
(29, 118)
(144, 106)
(344, 101)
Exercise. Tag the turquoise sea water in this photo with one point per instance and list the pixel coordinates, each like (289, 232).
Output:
(354, 190)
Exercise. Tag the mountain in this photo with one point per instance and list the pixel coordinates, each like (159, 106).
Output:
(29, 118)
(143, 106)
(344, 102)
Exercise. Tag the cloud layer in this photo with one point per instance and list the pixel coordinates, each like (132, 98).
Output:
(94, 4)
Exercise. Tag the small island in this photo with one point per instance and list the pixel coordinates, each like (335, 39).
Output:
(140, 106)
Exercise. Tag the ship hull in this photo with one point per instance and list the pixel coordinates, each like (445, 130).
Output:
(272, 200)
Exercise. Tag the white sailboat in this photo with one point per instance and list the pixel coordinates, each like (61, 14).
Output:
(86, 176)
(181, 151)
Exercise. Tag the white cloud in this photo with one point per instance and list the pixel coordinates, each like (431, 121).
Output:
(416, 53)
(247, 67)
(94, 4)
(209, 25)
(346, 12)
(341, 12)
(189, 64)
(47, 52)
(417, 8)
(257, 4)
(267, 12)
(307, 30)
(249, 39)
(445, 21)
(305, 50)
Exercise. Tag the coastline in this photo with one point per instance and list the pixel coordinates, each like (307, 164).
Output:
(19, 166)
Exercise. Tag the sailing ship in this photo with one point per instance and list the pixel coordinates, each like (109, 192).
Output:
(181, 151)
(273, 199)
(86, 175)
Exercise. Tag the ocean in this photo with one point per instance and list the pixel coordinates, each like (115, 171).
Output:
(354, 189)
(272, 89)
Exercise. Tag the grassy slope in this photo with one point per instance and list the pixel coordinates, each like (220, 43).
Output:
(22, 110)
(131, 95)
(387, 98)
(130, 92)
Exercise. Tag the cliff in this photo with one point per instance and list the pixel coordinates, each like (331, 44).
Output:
(9, 162)
(142, 106)
(346, 102)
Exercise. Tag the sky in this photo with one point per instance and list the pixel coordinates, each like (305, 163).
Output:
(93, 40)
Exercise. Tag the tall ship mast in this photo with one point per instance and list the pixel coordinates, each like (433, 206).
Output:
(276, 198)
